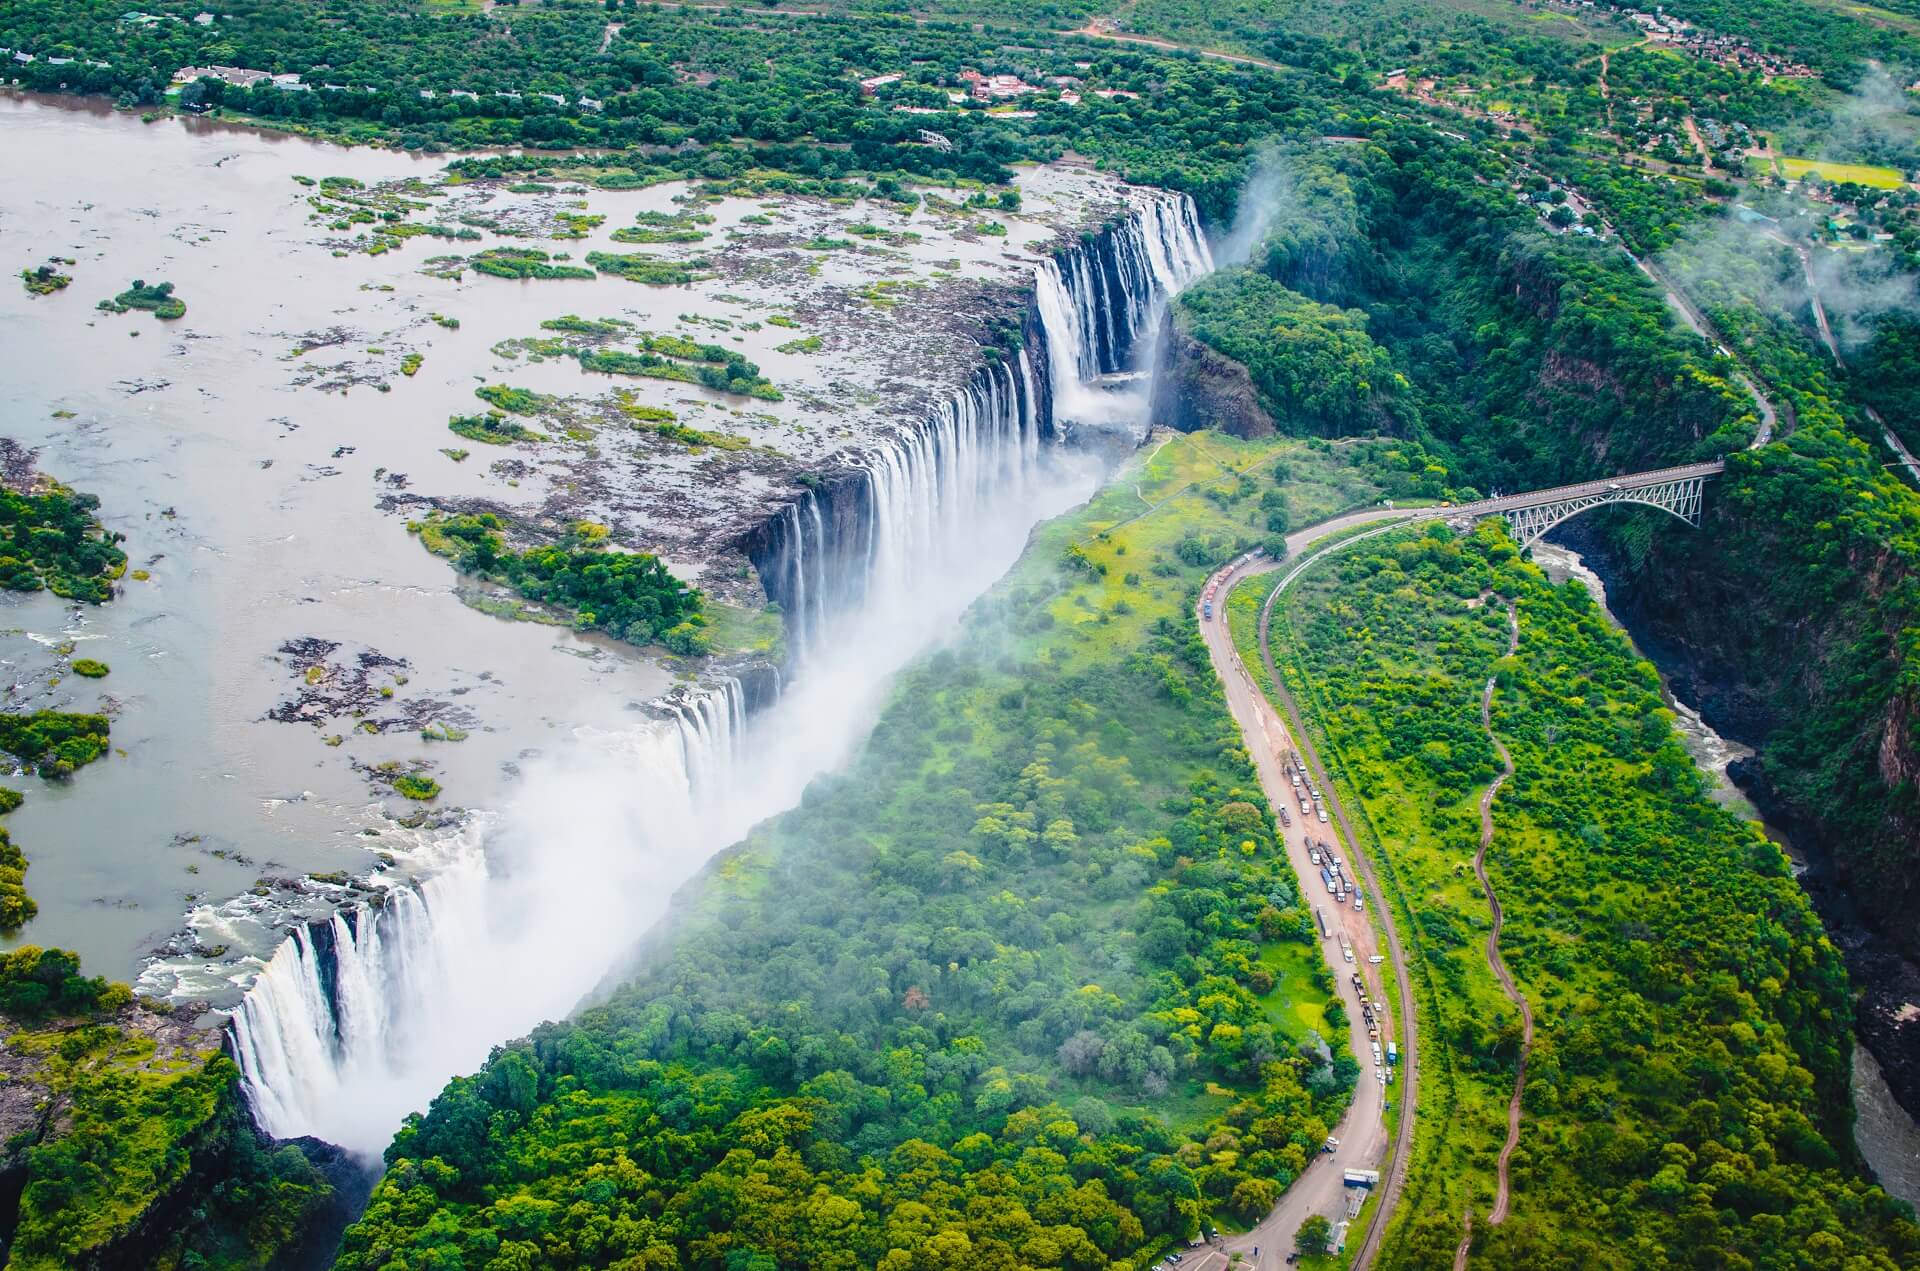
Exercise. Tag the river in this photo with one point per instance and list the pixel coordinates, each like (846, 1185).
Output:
(1888, 1138)
(263, 480)
(263, 454)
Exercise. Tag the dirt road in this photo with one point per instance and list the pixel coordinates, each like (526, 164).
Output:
(1151, 41)
(1498, 964)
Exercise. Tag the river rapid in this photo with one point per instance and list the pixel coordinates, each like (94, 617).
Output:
(1888, 1138)
(248, 481)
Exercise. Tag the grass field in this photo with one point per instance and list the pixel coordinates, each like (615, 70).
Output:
(1859, 173)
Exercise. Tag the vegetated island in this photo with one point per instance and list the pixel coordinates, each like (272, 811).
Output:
(591, 585)
(156, 298)
(46, 279)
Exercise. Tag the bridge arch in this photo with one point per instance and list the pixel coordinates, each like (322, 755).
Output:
(1675, 491)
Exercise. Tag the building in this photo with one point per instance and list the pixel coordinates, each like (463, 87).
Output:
(873, 84)
(233, 76)
(996, 87)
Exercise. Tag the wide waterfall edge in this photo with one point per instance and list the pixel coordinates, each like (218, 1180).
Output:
(1090, 304)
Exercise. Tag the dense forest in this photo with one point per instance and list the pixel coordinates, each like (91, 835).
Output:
(1532, 359)
(1687, 1088)
(1029, 985)
(153, 1160)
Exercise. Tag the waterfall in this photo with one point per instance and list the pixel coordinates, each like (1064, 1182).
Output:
(1093, 305)
(358, 1020)
(338, 1007)
(1097, 299)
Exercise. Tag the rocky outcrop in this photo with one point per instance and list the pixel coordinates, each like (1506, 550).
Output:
(1196, 387)
(197, 1202)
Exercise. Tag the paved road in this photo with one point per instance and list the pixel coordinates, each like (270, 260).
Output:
(1362, 1130)
(1904, 456)
(1704, 328)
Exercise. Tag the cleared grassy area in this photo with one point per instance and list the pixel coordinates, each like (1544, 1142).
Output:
(1296, 1003)
(1866, 174)
(736, 629)
(1200, 489)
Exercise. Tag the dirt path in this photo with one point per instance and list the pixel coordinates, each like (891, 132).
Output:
(1494, 960)
(1151, 41)
(1606, 93)
(1699, 145)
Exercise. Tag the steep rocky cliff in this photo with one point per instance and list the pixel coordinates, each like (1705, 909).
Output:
(126, 1144)
(1197, 387)
(1791, 619)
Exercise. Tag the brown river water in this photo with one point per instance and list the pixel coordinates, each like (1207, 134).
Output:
(249, 480)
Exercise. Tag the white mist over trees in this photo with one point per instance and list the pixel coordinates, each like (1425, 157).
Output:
(523, 913)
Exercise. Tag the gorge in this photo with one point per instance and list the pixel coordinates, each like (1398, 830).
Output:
(654, 701)
(360, 1018)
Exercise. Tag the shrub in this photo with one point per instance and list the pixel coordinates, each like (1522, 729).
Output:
(416, 786)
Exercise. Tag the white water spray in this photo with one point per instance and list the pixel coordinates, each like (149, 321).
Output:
(356, 1022)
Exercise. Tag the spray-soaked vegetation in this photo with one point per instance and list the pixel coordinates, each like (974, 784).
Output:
(146, 1101)
(1008, 992)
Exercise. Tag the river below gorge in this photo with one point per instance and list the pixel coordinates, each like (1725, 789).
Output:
(1887, 1137)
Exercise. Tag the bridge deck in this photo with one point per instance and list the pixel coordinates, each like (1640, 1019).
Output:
(1630, 481)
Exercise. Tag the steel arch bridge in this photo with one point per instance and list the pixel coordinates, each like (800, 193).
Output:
(1677, 491)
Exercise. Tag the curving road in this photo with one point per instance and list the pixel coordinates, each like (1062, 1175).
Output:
(1362, 1131)
(1498, 964)
(1904, 458)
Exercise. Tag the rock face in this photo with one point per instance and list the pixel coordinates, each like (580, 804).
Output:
(1198, 388)
(187, 1209)
(1693, 607)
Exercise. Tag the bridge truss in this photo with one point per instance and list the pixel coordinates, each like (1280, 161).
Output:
(1676, 491)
